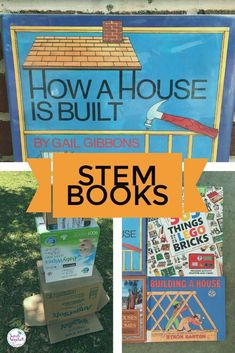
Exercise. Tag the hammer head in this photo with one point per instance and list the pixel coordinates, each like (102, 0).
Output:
(158, 104)
(153, 113)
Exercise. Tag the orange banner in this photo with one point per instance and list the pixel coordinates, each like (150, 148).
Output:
(118, 185)
(41, 201)
(192, 172)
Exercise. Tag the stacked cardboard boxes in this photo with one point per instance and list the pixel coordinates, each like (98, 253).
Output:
(71, 286)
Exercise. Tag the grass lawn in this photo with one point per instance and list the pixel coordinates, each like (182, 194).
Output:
(19, 251)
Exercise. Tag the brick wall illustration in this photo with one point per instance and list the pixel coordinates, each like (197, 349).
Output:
(112, 31)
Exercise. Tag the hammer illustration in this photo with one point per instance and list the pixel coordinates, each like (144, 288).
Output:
(186, 123)
(131, 247)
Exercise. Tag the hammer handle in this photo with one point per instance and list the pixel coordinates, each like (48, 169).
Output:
(190, 124)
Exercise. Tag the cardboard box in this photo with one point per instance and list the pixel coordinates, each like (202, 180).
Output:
(34, 315)
(73, 328)
(70, 298)
(34, 312)
(67, 253)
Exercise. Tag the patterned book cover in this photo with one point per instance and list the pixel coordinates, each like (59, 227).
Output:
(190, 246)
(185, 309)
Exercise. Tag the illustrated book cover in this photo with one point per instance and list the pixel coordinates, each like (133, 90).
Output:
(190, 246)
(133, 309)
(185, 309)
(94, 84)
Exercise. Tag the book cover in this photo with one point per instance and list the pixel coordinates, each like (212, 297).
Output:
(92, 100)
(133, 246)
(133, 309)
(185, 309)
(190, 246)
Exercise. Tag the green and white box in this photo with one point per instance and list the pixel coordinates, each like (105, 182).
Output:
(68, 253)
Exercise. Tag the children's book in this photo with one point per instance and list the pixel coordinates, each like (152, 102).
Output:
(191, 245)
(185, 309)
(133, 246)
(133, 309)
(139, 101)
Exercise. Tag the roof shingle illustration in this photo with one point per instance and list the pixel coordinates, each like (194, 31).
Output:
(111, 51)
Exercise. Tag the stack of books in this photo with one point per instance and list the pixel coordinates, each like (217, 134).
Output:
(178, 293)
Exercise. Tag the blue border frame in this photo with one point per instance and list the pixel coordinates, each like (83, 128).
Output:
(129, 20)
